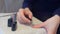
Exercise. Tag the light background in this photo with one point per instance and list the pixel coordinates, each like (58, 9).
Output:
(10, 5)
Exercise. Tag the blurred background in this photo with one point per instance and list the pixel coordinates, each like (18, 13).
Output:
(8, 6)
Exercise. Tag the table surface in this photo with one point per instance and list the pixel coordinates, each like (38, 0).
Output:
(21, 29)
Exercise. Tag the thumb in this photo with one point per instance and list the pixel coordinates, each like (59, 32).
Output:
(39, 25)
(30, 16)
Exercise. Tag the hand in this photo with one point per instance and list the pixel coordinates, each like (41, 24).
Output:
(21, 15)
(50, 25)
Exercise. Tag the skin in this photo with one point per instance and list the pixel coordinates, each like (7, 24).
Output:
(21, 15)
(50, 24)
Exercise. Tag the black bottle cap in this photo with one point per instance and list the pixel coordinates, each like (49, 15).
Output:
(9, 22)
(14, 26)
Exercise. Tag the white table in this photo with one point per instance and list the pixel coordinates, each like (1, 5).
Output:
(21, 29)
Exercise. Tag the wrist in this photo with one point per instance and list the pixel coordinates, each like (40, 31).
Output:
(51, 32)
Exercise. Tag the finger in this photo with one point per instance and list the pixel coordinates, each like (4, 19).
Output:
(26, 20)
(29, 13)
(18, 18)
(39, 25)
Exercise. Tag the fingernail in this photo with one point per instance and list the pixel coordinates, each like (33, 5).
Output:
(30, 17)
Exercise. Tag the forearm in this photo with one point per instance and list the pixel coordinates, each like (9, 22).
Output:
(56, 18)
(55, 21)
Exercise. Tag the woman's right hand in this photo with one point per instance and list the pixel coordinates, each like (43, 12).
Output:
(21, 15)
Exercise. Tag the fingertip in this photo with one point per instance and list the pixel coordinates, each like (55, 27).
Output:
(30, 16)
